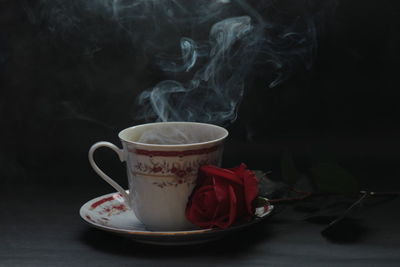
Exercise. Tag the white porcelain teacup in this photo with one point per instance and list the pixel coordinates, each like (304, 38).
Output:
(162, 162)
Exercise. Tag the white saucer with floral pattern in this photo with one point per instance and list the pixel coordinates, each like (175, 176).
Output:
(110, 213)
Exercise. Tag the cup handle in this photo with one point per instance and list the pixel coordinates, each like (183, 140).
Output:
(96, 168)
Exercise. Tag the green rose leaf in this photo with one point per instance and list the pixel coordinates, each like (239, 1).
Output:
(332, 178)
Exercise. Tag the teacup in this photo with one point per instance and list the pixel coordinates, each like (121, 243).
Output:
(161, 176)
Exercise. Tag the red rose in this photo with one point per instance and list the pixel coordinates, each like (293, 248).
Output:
(222, 197)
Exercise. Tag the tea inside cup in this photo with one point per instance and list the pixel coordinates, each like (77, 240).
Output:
(176, 133)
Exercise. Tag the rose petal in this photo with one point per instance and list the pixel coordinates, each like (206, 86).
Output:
(203, 179)
(240, 200)
(233, 206)
(222, 197)
(250, 184)
(222, 173)
(226, 221)
(200, 207)
(250, 191)
(194, 216)
(210, 204)
(239, 169)
(220, 188)
(222, 193)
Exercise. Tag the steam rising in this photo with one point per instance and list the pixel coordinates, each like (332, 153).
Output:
(215, 89)
(207, 49)
(169, 136)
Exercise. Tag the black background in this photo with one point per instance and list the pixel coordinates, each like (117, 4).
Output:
(56, 102)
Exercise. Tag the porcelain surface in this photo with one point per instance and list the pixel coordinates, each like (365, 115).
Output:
(111, 213)
(161, 177)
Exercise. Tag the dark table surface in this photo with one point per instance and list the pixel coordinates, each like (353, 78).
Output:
(40, 226)
(48, 231)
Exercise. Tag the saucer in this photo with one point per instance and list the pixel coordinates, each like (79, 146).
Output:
(110, 213)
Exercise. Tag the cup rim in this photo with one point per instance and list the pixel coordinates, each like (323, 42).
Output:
(122, 132)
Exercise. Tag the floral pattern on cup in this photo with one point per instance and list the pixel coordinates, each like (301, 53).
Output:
(174, 173)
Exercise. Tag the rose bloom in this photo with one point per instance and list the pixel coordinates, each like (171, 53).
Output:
(222, 197)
